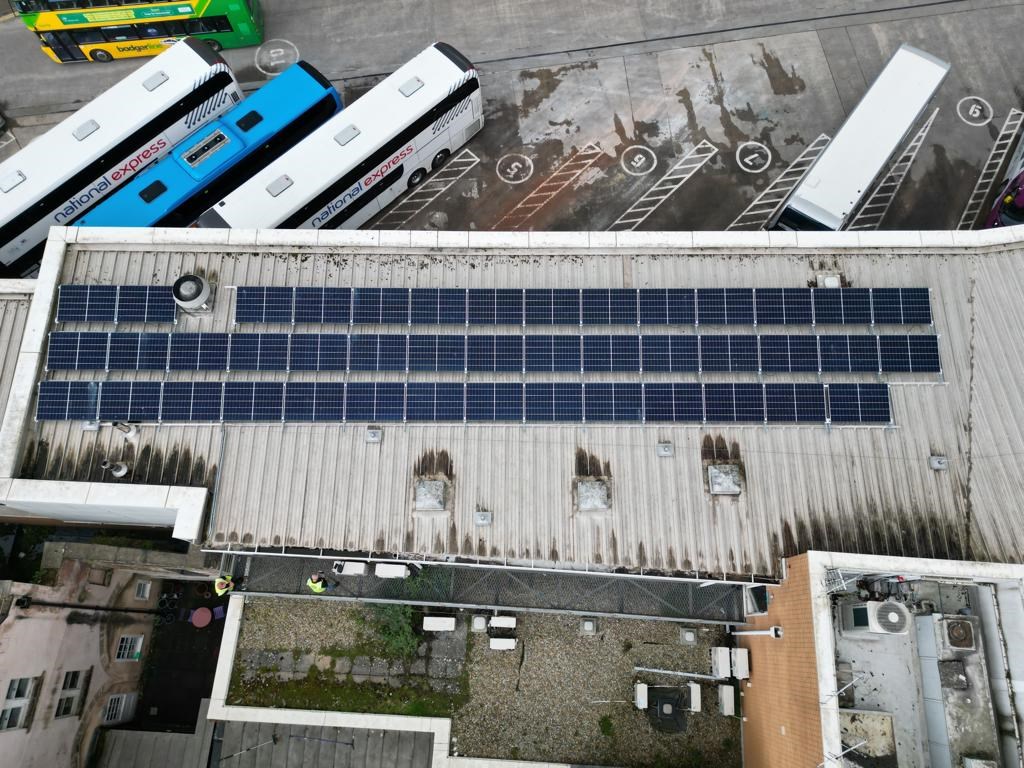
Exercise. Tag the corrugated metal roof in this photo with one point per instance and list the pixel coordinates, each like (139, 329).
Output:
(13, 313)
(845, 489)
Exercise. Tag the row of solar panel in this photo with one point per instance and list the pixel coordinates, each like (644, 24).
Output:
(417, 402)
(115, 304)
(916, 353)
(598, 306)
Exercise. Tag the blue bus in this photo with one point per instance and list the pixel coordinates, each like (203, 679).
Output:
(214, 161)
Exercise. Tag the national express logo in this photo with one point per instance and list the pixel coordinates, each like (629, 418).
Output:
(361, 186)
(109, 180)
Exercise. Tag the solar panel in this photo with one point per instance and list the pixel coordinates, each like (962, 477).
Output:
(86, 304)
(62, 351)
(145, 304)
(924, 354)
(123, 351)
(711, 306)
(322, 305)
(894, 352)
(438, 306)
(476, 401)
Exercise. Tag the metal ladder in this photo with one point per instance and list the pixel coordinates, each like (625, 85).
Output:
(990, 173)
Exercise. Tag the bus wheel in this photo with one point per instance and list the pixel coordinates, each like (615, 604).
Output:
(417, 176)
(216, 45)
(101, 55)
(440, 159)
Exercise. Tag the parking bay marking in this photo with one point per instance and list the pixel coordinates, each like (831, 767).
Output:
(418, 198)
(544, 192)
(990, 172)
(873, 211)
(764, 207)
(673, 179)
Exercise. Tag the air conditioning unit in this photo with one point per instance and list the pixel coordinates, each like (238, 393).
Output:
(875, 617)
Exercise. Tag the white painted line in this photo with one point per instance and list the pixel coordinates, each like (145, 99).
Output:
(541, 195)
(418, 198)
(673, 179)
(514, 168)
(753, 157)
(764, 207)
(8, 140)
(872, 213)
(990, 171)
(638, 160)
(974, 111)
(274, 56)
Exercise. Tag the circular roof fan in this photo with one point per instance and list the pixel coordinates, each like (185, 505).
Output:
(891, 618)
(960, 634)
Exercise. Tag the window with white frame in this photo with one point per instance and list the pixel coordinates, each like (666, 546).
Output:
(142, 588)
(120, 707)
(129, 648)
(16, 703)
(70, 692)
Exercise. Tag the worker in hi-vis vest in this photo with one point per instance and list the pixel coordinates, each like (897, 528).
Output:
(222, 585)
(319, 584)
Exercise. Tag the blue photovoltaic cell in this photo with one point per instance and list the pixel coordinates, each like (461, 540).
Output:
(775, 354)
(770, 306)
(856, 306)
(238, 401)
(333, 352)
(739, 306)
(62, 351)
(267, 400)
(329, 401)
(83, 399)
(628, 401)
(874, 403)
(102, 304)
(338, 305)
(305, 353)
(749, 399)
(279, 304)
(309, 305)
(249, 303)
(653, 306)
(537, 303)
(359, 398)
(419, 401)
(244, 354)
(894, 352)
(835, 353)
(362, 352)
(924, 354)
(539, 354)
(390, 401)
(810, 402)
(685, 351)
(780, 403)
(479, 402)
(682, 306)
(72, 303)
(480, 307)
(797, 305)
(394, 305)
(123, 352)
(917, 308)
(625, 354)
(451, 353)
(598, 402)
(365, 306)
(887, 306)
(52, 400)
(656, 356)
(658, 403)
(597, 354)
(145, 304)
(714, 353)
(423, 352)
(479, 353)
(450, 402)
(863, 354)
(828, 306)
(743, 353)
(688, 402)
(299, 398)
(719, 404)
(177, 401)
(803, 354)
(273, 352)
(92, 351)
(596, 309)
(130, 400)
(622, 306)
(391, 352)
(711, 306)
(844, 403)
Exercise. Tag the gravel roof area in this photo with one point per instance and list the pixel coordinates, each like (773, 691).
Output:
(282, 623)
(543, 700)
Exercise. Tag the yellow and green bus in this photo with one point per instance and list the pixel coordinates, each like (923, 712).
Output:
(104, 30)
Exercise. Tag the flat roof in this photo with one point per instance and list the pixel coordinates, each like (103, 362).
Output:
(868, 489)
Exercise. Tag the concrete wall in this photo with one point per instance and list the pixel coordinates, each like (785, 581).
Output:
(782, 727)
(45, 642)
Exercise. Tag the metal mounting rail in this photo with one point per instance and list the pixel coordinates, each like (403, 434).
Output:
(678, 175)
(990, 172)
(872, 213)
(764, 207)
(543, 193)
(418, 198)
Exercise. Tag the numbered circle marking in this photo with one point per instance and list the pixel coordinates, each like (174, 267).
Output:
(275, 56)
(514, 168)
(753, 156)
(638, 160)
(974, 110)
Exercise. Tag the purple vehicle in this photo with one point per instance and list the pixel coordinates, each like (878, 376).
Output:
(1008, 210)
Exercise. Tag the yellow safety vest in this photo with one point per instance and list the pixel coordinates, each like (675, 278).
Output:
(222, 586)
(316, 586)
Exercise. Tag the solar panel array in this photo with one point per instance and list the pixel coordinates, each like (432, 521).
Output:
(185, 401)
(115, 304)
(668, 353)
(599, 306)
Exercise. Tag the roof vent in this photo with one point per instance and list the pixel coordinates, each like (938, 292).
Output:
(193, 293)
(429, 496)
(829, 280)
(665, 450)
(724, 479)
(154, 81)
(85, 130)
(483, 517)
(593, 495)
(9, 182)
(116, 469)
(346, 134)
(938, 463)
(410, 86)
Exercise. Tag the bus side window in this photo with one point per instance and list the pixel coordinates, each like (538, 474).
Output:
(153, 29)
(175, 28)
(209, 24)
(88, 36)
(119, 34)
